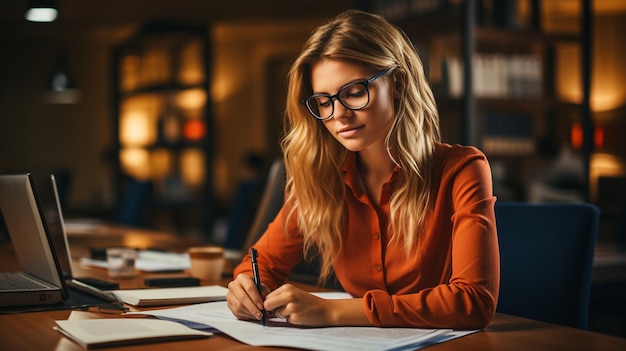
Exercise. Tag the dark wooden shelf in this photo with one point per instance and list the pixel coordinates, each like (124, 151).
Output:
(161, 89)
(512, 103)
(167, 60)
(453, 35)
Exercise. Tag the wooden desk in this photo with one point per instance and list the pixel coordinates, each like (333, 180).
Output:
(33, 330)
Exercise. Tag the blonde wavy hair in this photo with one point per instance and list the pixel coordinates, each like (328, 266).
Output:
(315, 189)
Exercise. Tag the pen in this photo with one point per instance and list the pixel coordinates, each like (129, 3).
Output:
(257, 277)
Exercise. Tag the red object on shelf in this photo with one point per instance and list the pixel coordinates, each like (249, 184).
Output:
(194, 129)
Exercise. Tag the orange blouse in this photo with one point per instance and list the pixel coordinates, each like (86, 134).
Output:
(451, 280)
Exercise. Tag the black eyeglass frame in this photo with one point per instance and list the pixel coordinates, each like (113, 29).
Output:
(337, 96)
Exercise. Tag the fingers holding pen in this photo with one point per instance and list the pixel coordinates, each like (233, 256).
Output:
(280, 300)
(243, 298)
(297, 306)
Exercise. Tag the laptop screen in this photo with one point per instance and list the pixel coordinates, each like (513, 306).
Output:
(30, 239)
(44, 186)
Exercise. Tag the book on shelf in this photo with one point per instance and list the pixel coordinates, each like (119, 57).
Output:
(508, 134)
(495, 76)
(109, 332)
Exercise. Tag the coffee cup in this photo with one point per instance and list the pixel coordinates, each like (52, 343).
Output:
(207, 263)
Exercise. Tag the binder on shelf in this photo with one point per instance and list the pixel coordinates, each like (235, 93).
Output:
(508, 134)
(496, 76)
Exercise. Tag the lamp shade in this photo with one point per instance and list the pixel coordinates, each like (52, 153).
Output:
(41, 11)
(60, 79)
(60, 87)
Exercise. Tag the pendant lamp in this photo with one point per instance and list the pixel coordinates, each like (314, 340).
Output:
(41, 11)
(60, 87)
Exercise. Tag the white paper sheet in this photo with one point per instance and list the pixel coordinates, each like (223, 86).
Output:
(150, 261)
(279, 333)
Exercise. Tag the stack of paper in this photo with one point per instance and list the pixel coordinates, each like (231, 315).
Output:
(279, 333)
(172, 296)
(180, 322)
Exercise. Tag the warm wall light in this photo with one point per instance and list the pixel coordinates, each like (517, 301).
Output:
(604, 165)
(136, 129)
(192, 99)
(137, 126)
(569, 79)
(155, 67)
(192, 68)
(609, 91)
(131, 65)
(192, 167)
(161, 161)
(41, 11)
(136, 163)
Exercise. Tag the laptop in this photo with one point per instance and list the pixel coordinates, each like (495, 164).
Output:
(47, 199)
(39, 281)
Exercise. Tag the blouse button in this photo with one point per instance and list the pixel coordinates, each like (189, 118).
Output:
(376, 236)
(378, 267)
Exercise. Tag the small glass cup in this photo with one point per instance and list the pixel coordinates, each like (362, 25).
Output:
(121, 262)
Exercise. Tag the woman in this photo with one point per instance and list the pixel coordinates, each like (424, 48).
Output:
(404, 221)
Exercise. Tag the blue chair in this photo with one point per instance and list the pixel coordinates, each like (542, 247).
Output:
(546, 258)
(242, 211)
(133, 204)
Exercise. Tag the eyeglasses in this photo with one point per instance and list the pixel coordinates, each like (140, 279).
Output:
(353, 96)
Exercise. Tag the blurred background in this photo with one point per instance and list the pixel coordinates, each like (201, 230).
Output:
(158, 113)
(168, 114)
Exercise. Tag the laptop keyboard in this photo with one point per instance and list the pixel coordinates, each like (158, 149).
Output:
(18, 282)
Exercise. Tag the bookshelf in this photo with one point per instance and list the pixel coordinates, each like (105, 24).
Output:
(496, 77)
(164, 130)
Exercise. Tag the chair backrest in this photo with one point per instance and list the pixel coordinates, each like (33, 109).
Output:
(244, 206)
(133, 204)
(271, 202)
(546, 258)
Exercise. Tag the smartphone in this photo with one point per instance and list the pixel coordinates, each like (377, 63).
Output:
(172, 282)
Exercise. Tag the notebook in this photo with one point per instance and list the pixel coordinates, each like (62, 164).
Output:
(39, 281)
(47, 199)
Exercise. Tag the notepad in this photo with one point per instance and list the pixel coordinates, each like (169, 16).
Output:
(172, 296)
(109, 332)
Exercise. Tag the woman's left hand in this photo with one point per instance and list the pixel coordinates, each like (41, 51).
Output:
(300, 307)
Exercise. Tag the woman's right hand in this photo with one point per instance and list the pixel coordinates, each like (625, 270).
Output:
(243, 298)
